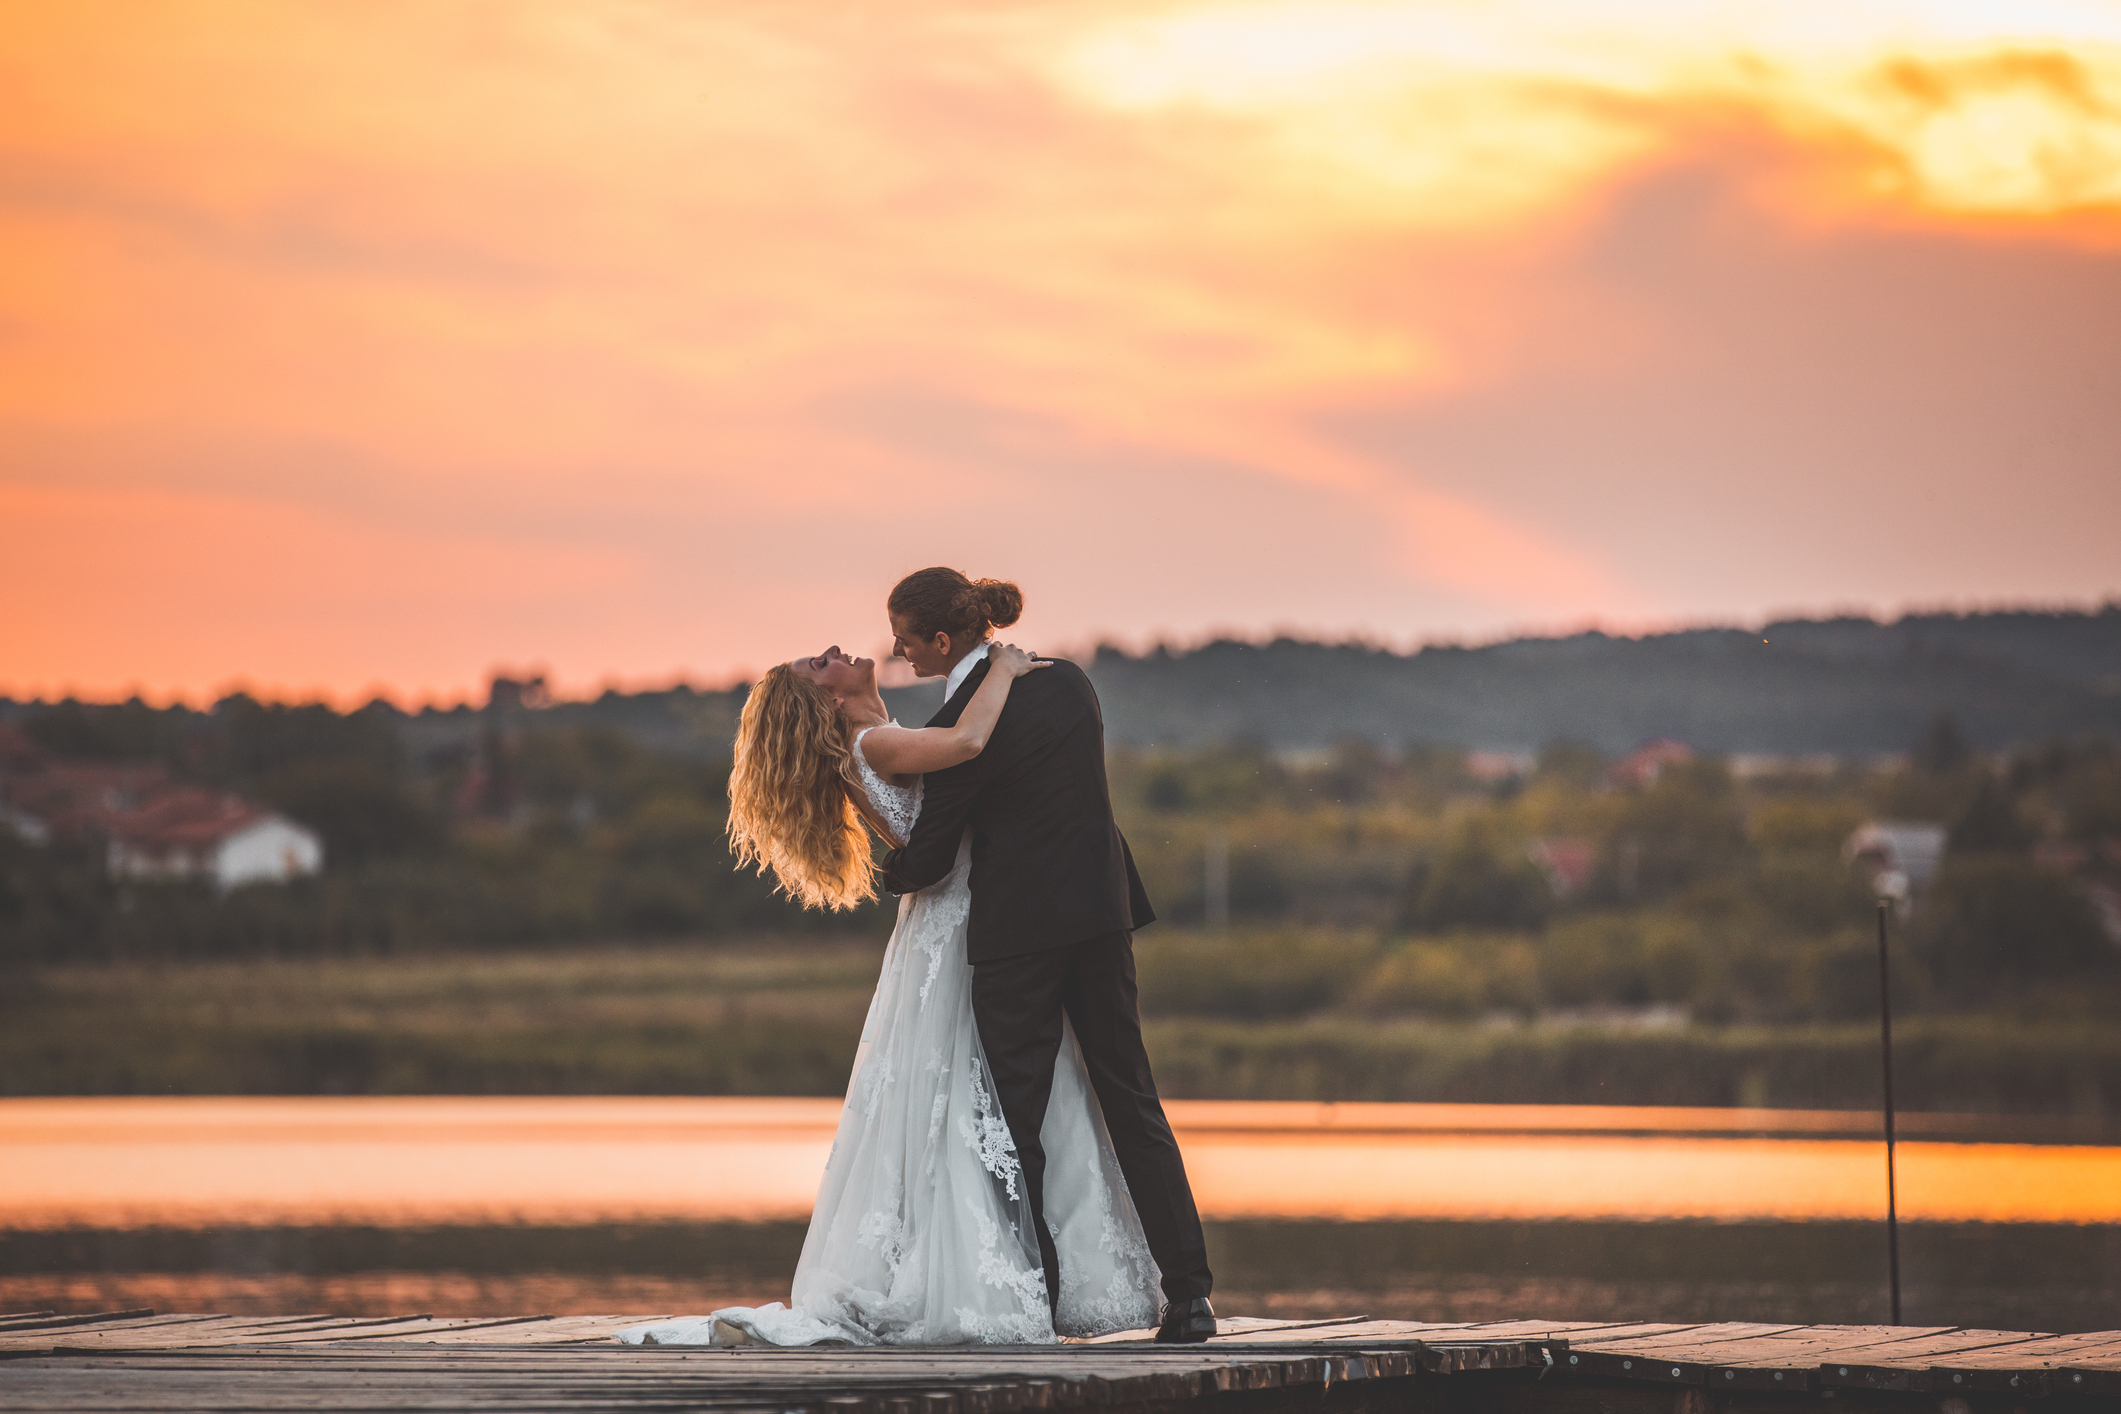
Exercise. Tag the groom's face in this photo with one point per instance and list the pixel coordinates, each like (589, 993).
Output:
(930, 657)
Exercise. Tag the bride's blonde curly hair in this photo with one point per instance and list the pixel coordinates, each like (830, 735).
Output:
(791, 806)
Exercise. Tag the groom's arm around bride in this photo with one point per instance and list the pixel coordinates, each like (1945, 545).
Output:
(1049, 866)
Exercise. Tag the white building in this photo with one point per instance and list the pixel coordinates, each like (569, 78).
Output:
(192, 834)
(1899, 855)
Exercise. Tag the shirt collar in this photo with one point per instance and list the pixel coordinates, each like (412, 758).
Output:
(962, 671)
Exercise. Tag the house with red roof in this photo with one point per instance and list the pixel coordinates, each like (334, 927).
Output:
(200, 834)
(150, 828)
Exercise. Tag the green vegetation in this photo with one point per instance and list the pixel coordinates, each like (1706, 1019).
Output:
(1939, 1064)
(1417, 892)
(519, 901)
(1258, 1016)
(749, 1016)
(494, 833)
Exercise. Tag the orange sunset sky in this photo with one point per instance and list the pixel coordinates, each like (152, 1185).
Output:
(348, 347)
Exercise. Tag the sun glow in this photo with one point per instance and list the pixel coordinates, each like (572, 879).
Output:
(391, 1160)
(1464, 113)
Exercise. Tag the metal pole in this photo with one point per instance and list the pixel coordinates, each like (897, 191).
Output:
(1216, 886)
(1885, 1041)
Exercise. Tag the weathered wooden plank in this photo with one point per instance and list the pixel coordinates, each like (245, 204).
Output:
(143, 1335)
(1914, 1365)
(1228, 1328)
(539, 1363)
(1952, 1380)
(47, 1321)
(1851, 1337)
(561, 1330)
(43, 1329)
(388, 1328)
(1636, 1365)
(855, 1366)
(1729, 1356)
(1352, 1330)
(2099, 1379)
(519, 1331)
(2080, 1364)
(1908, 1364)
(1455, 1358)
(153, 1324)
(1573, 1333)
(1919, 1351)
(169, 1332)
(1737, 1376)
(2040, 1353)
(66, 1389)
(997, 1397)
(1802, 1345)
(1614, 1336)
(1377, 1332)
(1518, 1327)
(1699, 1337)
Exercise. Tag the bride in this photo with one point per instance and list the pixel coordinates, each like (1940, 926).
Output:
(921, 1232)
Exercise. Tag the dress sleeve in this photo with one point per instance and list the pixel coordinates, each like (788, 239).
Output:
(946, 804)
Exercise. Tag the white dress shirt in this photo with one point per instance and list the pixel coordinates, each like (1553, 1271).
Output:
(963, 670)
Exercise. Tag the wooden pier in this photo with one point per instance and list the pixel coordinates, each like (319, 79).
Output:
(140, 1361)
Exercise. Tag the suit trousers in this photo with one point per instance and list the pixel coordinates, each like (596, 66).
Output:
(1018, 1003)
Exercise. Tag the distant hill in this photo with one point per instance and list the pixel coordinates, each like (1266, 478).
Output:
(1845, 685)
(1850, 686)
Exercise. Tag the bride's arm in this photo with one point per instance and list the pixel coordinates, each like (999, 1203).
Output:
(913, 751)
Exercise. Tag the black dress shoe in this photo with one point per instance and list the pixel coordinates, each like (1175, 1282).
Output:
(1188, 1324)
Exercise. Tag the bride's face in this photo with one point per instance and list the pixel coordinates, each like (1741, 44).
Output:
(837, 673)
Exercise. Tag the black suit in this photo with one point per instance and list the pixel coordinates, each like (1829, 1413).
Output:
(1055, 900)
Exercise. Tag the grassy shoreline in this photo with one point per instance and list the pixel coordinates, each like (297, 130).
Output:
(782, 1017)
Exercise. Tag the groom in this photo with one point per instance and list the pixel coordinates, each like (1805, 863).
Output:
(1055, 901)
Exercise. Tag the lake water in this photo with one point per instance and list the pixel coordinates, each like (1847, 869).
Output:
(476, 1204)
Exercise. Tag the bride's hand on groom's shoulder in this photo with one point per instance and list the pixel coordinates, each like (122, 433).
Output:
(1010, 659)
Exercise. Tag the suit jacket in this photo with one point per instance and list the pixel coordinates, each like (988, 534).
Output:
(1049, 866)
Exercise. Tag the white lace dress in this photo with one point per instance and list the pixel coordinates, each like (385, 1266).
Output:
(921, 1232)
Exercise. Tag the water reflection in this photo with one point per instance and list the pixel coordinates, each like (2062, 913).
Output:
(380, 1206)
(2008, 1276)
(307, 1161)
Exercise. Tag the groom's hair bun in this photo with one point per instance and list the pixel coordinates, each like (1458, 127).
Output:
(940, 600)
(1001, 601)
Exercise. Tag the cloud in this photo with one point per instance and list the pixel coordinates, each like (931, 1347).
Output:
(649, 338)
(1453, 114)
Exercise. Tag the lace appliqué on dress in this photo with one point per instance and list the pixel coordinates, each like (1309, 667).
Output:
(876, 1078)
(947, 914)
(899, 805)
(1132, 1291)
(988, 1134)
(884, 1232)
(1028, 1285)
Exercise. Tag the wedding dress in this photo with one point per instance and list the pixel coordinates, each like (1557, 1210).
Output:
(921, 1233)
